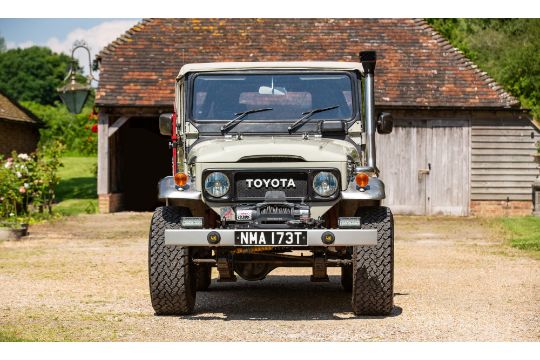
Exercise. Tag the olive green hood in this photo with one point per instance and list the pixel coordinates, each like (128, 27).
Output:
(251, 148)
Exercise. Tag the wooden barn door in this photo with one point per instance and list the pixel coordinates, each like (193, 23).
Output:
(447, 183)
(425, 167)
(399, 157)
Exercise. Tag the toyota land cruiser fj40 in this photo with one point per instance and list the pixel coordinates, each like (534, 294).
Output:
(271, 159)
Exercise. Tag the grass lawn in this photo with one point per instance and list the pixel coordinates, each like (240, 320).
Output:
(522, 232)
(76, 192)
(9, 336)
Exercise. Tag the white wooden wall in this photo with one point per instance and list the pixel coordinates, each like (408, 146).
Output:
(502, 165)
(424, 164)
(399, 157)
(448, 181)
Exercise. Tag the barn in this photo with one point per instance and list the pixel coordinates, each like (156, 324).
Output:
(18, 127)
(461, 144)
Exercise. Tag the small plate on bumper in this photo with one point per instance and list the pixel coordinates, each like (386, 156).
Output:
(270, 238)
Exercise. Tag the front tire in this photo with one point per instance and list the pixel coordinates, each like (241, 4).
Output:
(373, 266)
(171, 272)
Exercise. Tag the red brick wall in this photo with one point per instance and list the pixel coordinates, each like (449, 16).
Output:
(501, 208)
(17, 136)
(108, 203)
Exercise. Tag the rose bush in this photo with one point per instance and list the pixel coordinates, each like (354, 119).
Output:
(28, 182)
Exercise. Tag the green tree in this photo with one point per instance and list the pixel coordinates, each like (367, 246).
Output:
(72, 130)
(33, 74)
(2, 44)
(507, 49)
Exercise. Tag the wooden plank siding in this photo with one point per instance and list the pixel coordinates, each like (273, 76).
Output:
(502, 167)
(474, 156)
(424, 164)
(449, 158)
(400, 155)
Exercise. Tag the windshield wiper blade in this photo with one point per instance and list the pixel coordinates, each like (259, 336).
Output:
(308, 114)
(240, 116)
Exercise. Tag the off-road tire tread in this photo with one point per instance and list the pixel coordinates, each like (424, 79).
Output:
(171, 274)
(373, 266)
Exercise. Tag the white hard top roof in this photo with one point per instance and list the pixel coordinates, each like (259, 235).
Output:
(276, 65)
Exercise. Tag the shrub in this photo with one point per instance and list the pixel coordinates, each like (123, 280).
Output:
(28, 182)
(74, 131)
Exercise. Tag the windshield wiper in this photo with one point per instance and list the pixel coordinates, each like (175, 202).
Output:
(240, 116)
(307, 115)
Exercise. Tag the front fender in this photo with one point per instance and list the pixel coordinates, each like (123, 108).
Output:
(167, 190)
(374, 191)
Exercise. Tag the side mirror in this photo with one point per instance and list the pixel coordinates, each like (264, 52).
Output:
(385, 123)
(165, 124)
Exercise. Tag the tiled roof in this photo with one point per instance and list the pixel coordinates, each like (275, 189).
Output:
(416, 66)
(10, 110)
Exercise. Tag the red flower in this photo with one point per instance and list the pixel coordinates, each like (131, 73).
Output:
(94, 128)
(93, 116)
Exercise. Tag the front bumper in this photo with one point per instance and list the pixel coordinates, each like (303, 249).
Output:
(343, 237)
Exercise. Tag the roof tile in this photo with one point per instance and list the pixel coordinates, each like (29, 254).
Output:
(13, 111)
(416, 66)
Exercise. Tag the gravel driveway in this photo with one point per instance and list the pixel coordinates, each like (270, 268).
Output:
(85, 278)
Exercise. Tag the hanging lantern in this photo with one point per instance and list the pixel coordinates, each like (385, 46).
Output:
(74, 94)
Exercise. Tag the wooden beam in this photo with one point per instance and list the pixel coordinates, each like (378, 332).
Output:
(510, 197)
(498, 172)
(117, 124)
(103, 185)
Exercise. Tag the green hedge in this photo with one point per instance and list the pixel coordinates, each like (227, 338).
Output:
(74, 131)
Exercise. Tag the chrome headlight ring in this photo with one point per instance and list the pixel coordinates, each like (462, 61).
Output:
(217, 184)
(325, 184)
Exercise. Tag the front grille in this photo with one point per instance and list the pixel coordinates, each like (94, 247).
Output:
(252, 186)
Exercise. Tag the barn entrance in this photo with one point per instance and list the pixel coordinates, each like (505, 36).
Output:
(425, 167)
(142, 158)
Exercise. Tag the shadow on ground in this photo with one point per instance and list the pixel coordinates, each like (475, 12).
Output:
(76, 188)
(277, 297)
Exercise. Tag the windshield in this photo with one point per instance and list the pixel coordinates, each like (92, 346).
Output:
(286, 96)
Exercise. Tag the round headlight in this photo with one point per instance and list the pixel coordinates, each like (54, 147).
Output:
(217, 184)
(325, 184)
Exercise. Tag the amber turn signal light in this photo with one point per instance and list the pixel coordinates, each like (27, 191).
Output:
(180, 179)
(362, 180)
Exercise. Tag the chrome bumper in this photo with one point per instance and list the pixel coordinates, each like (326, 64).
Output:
(343, 237)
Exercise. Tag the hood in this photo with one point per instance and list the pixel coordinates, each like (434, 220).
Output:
(251, 148)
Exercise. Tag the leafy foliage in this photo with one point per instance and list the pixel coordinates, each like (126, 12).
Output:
(76, 132)
(507, 49)
(32, 77)
(33, 74)
(2, 44)
(28, 181)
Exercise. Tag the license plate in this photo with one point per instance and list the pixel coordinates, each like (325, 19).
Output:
(270, 238)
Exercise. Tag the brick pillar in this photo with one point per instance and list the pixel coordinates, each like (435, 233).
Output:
(109, 203)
